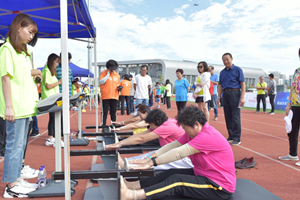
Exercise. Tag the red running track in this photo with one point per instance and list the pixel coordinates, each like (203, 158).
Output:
(263, 137)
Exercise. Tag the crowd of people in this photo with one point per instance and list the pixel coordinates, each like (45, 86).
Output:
(197, 159)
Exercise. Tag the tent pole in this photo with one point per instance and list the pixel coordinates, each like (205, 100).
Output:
(89, 59)
(96, 82)
(65, 86)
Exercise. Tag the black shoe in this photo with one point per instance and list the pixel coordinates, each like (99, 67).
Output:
(34, 134)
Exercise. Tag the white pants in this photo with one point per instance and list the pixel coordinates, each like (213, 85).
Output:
(179, 164)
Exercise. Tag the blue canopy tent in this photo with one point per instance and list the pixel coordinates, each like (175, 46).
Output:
(77, 71)
(56, 19)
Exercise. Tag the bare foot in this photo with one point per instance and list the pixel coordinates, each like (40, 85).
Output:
(125, 192)
(120, 161)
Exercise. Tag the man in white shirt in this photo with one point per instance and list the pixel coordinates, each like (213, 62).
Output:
(142, 84)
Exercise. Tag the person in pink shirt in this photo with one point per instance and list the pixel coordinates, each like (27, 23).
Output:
(165, 129)
(213, 175)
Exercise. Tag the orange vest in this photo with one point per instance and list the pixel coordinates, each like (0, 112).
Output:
(126, 87)
(109, 88)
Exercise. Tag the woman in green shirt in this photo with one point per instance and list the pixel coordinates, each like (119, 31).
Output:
(50, 86)
(86, 90)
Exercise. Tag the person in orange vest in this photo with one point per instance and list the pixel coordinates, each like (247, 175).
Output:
(125, 94)
(109, 87)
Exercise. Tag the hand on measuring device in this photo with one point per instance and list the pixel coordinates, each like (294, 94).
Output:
(142, 166)
(113, 146)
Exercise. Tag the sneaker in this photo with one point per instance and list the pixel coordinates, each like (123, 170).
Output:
(28, 173)
(50, 142)
(158, 106)
(17, 191)
(167, 109)
(235, 142)
(24, 183)
(265, 112)
(215, 119)
(240, 161)
(256, 111)
(61, 144)
(297, 163)
(289, 157)
(229, 140)
(247, 163)
(271, 113)
(34, 134)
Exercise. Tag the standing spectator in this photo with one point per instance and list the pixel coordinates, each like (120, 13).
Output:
(272, 92)
(294, 105)
(131, 93)
(74, 87)
(142, 84)
(150, 96)
(109, 84)
(214, 78)
(168, 94)
(50, 86)
(18, 99)
(125, 94)
(162, 90)
(86, 90)
(182, 88)
(201, 88)
(232, 85)
(158, 93)
(261, 94)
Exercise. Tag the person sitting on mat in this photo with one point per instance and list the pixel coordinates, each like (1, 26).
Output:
(165, 129)
(213, 175)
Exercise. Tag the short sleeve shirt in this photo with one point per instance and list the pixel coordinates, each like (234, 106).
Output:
(86, 91)
(48, 79)
(126, 87)
(142, 83)
(157, 88)
(231, 78)
(59, 76)
(215, 78)
(169, 90)
(109, 89)
(296, 88)
(168, 132)
(264, 84)
(24, 92)
(272, 86)
(181, 89)
(215, 160)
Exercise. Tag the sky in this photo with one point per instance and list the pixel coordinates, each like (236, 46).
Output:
(258, 33)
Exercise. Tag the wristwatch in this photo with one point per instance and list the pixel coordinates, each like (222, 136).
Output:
(154, 162)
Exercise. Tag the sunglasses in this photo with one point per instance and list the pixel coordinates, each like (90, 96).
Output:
(200, 66)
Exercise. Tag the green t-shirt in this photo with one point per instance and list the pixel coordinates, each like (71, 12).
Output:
(264, 84)
(162, 88)
(296, 88)
(24, 92)
(74, 89)
(86, 91)
(48, 79)
(169, 88)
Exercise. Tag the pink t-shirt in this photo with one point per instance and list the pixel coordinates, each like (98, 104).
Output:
(168, 132)
(215, 161)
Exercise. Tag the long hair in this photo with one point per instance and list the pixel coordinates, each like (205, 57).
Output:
(21, 20)
(51, 58)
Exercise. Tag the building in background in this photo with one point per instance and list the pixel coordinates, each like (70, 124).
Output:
(161, 69)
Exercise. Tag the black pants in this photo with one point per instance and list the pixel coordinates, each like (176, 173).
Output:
(168, 102)
(293, 135)
(162, 100)
(272, 98)
(51, 124)
(261, 97)
(231, 100)
(122, 99)
(180, 106)
(170, 183)
(110, 104)
(2, 135)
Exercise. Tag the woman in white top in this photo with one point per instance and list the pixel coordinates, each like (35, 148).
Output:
(201, 88)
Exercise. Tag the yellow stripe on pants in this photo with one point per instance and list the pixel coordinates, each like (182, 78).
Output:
(205, 186)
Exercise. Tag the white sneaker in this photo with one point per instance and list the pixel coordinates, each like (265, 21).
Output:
(297, 164)
(289, 157)
(28, 173)
(17, 191)
(61, 144)
(24, 183)
(50, 142)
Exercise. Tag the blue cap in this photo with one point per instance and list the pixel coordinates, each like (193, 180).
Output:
(130, 76)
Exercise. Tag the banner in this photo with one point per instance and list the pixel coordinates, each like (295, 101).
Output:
(281, 100)
(251, 100)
